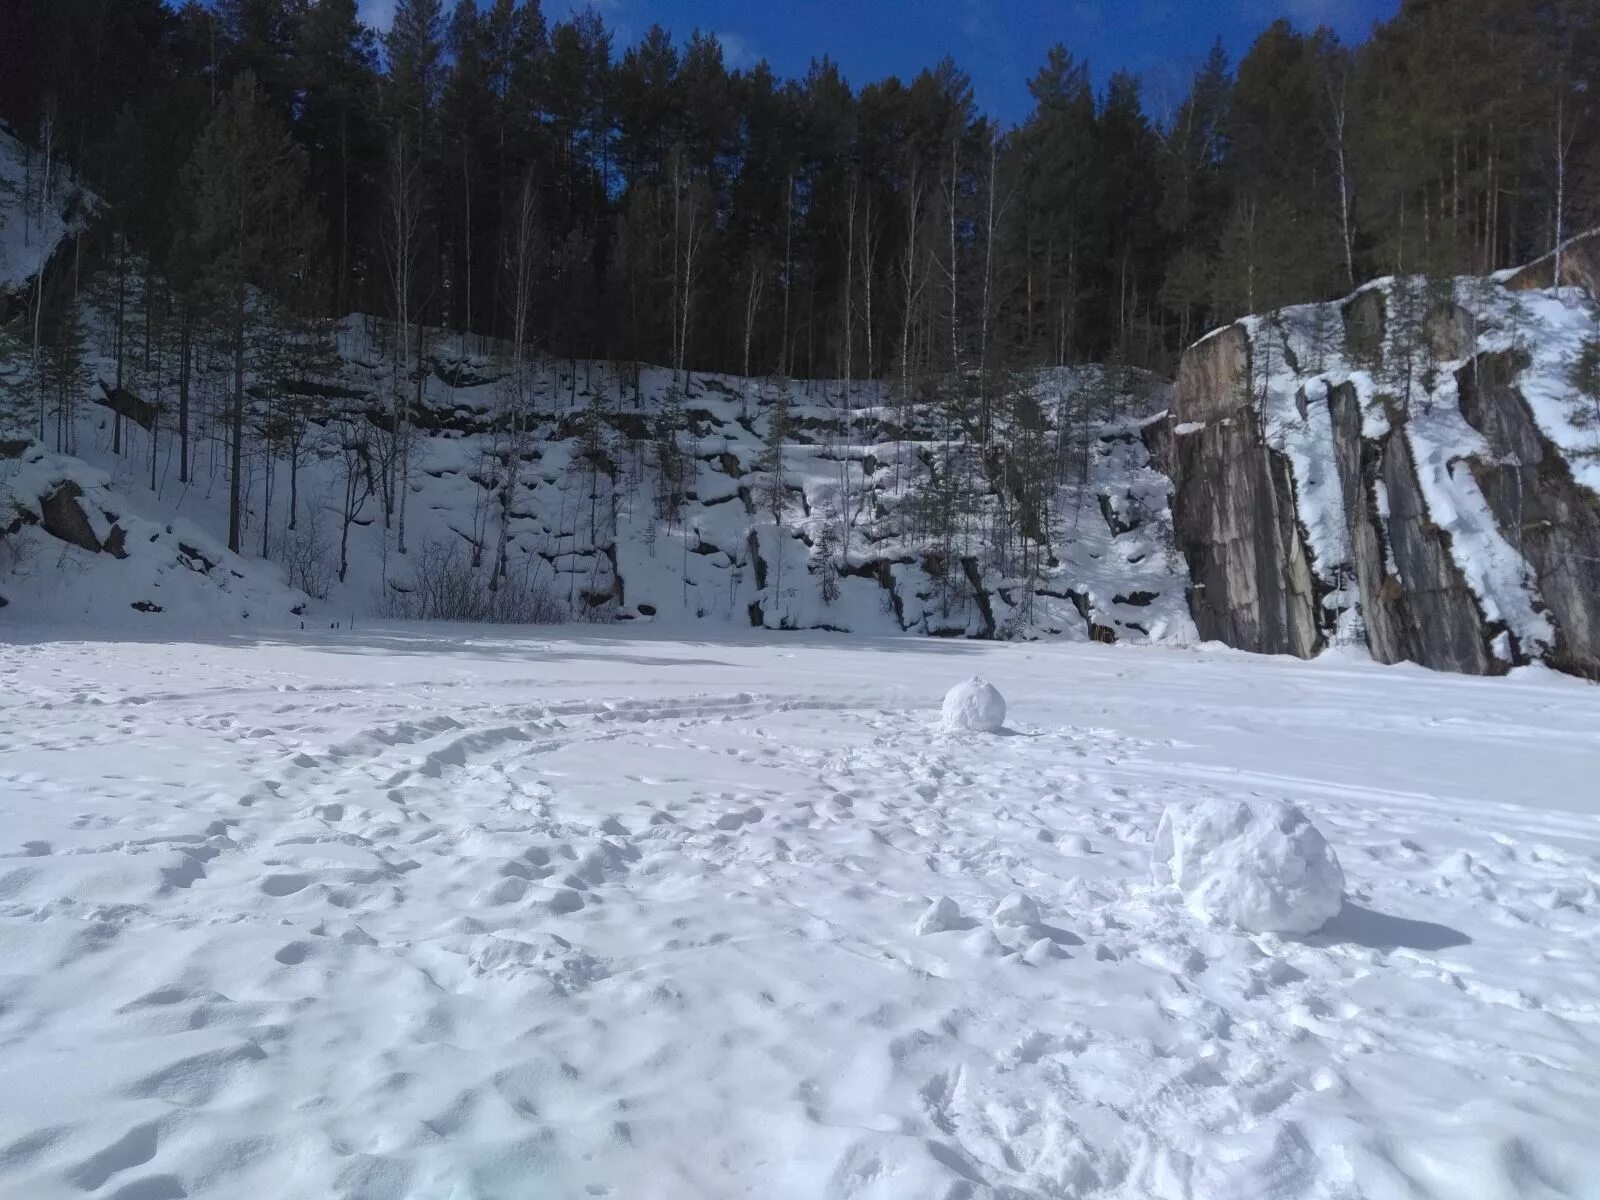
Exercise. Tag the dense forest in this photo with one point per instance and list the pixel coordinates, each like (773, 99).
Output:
(485, 170)
(668, 208)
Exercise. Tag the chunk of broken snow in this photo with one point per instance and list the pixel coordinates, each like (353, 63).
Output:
(1015, 909)
(1187, 427)
(1264, 868)
(943, 914)
(975, 704)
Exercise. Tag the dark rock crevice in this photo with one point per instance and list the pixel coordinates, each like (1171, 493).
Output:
(980, 595)
(1234, 510)
(1448, 629)
(1542, 512)
(1385, 610)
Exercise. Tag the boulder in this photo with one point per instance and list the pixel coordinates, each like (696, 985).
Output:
(63, 517)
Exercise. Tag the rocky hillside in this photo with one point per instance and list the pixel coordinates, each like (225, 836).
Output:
(647, 497)
(73, 545)
(1416, 467)
(586, 490)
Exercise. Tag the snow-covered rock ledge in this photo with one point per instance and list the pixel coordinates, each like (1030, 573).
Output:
(72, 546)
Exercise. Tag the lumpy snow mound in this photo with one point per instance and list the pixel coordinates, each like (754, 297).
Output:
(1264, 868)
(975, 704)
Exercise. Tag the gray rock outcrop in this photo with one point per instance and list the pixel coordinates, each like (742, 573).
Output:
(1406, 469)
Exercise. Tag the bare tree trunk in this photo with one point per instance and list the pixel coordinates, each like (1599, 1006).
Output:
(403, 213)
(752, 305)
(344, 208)
(955, 329)
(185, 353)
(466, 186)
(525, 232)
(236, 432)
(912, 286)
(47, 132)
(266, 502)
(849, 353)
(869, 262)
(1564, 139)
(992, 218)
(788, 275)
(121, 339)
(677, 254)
(1335, 90)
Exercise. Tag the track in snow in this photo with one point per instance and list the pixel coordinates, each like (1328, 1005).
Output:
(403, 914)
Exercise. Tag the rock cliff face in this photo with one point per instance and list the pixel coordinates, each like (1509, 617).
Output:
(1237, 525)
(1413, 468)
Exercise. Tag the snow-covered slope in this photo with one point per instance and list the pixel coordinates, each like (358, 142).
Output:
(422, 912)
(72, 546)
(1413, 468)
(596, 527)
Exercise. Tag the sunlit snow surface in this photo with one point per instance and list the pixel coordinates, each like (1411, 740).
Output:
(402, 912)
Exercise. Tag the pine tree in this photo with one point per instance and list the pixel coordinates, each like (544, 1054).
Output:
(252, 230)
(1584, 378)
(336, 73)
(65, 375)
(773, 489)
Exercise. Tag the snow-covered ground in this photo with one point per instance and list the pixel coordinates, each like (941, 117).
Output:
(427, 912)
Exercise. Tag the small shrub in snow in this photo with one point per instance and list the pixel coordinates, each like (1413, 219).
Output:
(14, 547)
(825, 554)
(975, 704)
(307, 554)
(1264, 868)
(445, 586)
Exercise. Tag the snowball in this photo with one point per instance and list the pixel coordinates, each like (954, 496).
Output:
(1263, 868)
(975, 704)
(1015, 909)
(942, 914)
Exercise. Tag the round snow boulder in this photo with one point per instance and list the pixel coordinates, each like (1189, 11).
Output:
(1264, 868)
(975, 704)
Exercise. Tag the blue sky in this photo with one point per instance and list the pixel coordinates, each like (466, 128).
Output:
(1000, 43)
